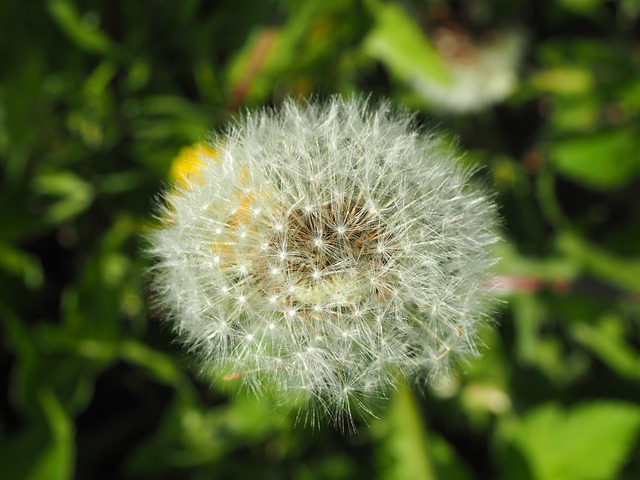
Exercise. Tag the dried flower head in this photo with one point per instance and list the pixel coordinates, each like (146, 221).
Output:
(318, 252)
(484, 72)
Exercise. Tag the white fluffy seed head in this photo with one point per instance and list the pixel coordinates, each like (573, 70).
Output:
(482, 72)
(321, 250)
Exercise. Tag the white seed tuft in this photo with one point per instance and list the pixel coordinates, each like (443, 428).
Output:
(322, 250)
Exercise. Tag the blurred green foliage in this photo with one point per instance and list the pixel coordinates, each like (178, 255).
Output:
(97, 98)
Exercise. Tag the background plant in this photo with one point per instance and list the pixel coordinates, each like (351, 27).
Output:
(96, 100)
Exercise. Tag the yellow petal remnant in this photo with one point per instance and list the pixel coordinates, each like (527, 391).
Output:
(185, 169)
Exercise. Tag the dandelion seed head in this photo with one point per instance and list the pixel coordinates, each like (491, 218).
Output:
(482, 72)
(321, 250)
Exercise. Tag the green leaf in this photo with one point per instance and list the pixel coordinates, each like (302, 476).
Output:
(248, 74)
(447, 463)
(74, 195)
(191, 435)
(630, 97)
(588, 442)
(545, 352)
(405, 446)
(549, 269)
(272, 57)
(528, 315)
(607, 340)
(159, 118)
(97, 82)
(575, 114)
(399, 43)
(83, 34)
(57, 461)
(161, 366)
(21, 343)
(603, 160)
(564, 80)
(581, 6)
(18, 263)
(623, 272)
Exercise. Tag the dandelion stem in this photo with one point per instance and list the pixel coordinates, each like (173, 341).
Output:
(406, 442)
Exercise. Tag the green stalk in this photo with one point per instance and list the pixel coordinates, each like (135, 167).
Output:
(405, 445)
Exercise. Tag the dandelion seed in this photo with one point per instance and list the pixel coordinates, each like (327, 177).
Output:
(352, 247)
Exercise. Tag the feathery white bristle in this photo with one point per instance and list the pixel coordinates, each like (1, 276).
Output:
(325, 249)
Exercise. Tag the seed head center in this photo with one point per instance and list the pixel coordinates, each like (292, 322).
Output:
(329, 254)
